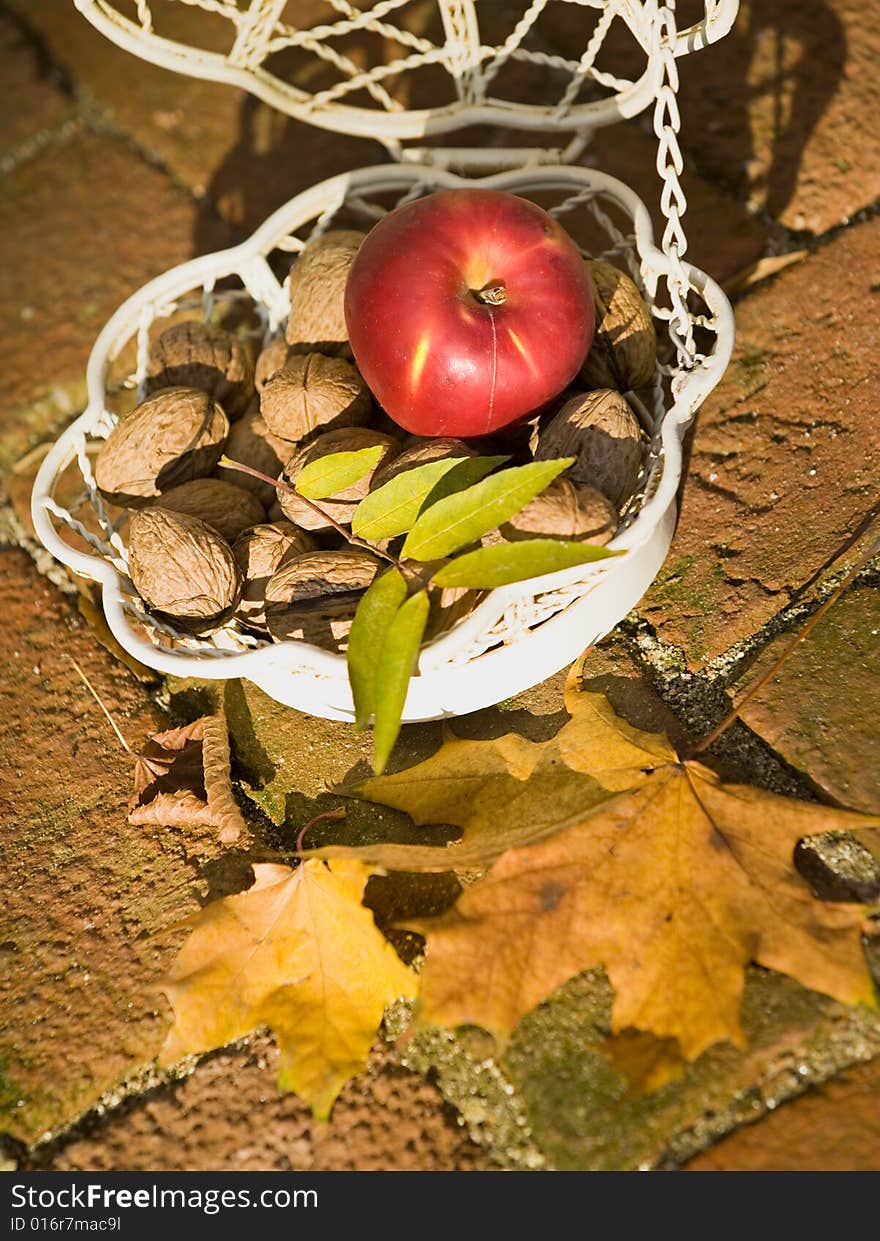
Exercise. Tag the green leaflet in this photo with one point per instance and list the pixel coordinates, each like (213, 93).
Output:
(329, 475)
(394, 668)
(460, 519)
(372, 620)
(503, 563)
(393, 508)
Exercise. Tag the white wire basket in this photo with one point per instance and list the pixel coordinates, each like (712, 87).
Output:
(518, 635)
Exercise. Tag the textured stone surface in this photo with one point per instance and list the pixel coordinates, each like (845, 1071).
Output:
(83, 892)
(219, 141)
(577, 1104)
(820, 710)
(723, 237)
(390, 1120)
(40, 100)
(786, 110)
(835, 1128)
(91, 221)
(785, 464)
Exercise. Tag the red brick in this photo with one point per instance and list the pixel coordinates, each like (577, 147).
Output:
(835, 1128)
(785, 465)
(86, 223)
(389, 1120)
(83, 891)
(219, 141)
(820, 710)
(40, 101)
(786, 109)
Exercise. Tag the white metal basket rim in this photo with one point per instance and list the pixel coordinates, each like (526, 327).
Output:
(299, 656)
(409, 123)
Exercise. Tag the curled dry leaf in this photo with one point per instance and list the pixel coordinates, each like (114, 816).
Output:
(182, 780)
(299, 953)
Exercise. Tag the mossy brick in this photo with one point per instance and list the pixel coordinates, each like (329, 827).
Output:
(85, 894)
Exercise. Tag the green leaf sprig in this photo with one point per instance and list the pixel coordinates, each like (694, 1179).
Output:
(443, 508)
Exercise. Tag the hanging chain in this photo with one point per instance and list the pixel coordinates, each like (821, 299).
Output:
(673, 203)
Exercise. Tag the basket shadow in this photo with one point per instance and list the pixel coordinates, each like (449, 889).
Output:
(759, 95)
(750, 104)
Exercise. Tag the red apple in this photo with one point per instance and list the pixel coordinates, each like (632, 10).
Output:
(468, 310)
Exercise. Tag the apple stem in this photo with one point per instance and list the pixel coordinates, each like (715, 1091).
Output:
(494, 294)
(228, 464)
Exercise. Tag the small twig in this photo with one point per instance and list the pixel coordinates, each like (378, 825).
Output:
(110, 719)
(279, 483)
(319, 818)
(798, 637)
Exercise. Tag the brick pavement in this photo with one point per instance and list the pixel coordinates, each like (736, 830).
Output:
(113, 170)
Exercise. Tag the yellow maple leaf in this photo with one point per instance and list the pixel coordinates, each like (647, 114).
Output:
(671, 879)
(297, 952)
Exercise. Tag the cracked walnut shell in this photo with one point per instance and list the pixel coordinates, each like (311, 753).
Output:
(182, 568)
(623, 354)
(226, 507)
(195, 354)
(341, 506)
(314, 597)
(317, 291)
(600, 430)
(259, 553)
(314, 393)
(173, 436)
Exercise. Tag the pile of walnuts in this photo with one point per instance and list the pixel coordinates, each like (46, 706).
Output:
(207, 544)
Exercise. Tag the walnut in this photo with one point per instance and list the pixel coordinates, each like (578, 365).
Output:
(225, 507)
(449, 604)
(340, 507)
(565, 510)
(259, 553)
(252, 443)
(173, 436)
(312, 393)
(624, 350)
(182, 568)
(602, 432)
(420, 453)
(198, 355)
(273, 357)
(315, 596)
(317, 291)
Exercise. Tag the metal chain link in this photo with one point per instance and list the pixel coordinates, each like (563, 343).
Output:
(673, 204)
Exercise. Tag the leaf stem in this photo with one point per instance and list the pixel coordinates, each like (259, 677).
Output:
(798, 638)
(228, 464)
(339, 813)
